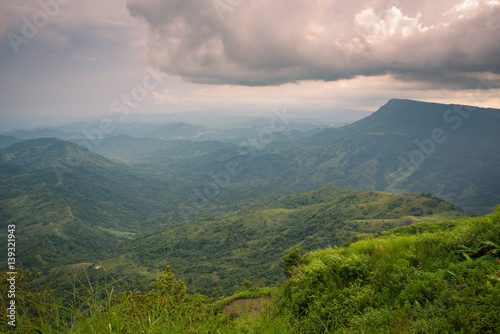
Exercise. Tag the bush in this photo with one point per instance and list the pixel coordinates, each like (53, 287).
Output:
(414, 282)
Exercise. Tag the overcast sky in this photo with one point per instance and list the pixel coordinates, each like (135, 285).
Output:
(70, 58)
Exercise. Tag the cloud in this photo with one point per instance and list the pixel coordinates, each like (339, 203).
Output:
(261, 42)
(360, 93)
(86, 55)
(463, 6)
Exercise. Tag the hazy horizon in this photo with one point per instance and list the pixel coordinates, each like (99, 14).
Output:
(68, 60)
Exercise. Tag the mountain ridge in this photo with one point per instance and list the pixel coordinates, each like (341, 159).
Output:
(408, 146)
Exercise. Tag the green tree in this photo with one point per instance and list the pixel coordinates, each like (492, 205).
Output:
(247, 284)
(290, 261)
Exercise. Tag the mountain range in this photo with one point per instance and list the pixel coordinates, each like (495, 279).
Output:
(140, 200)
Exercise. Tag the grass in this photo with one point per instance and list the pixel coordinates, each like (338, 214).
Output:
(424, 278)
(418, 282)
(122, 234)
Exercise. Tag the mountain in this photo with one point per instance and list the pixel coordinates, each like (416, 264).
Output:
(177, 131)
(214, 255)
(70, 204)
(151, 150)
(406, 146)
(8, 140)
(42, 133)
(76, 131)
(76, 206)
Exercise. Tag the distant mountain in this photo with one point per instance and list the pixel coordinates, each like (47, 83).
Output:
(130, 148)
(177, 131)
(214, 255)
(237, 133)
(43, 153)
(79, 131)
(221, 130)
(406, 146)
(42, 133)
(8, 140)
(127, 147)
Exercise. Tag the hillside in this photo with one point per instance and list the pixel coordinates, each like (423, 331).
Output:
(8, 140)
(215, 255)
(380, 146)
(406, 146)
(70, 204)
(437, 278)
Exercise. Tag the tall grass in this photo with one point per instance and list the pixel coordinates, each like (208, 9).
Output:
(445, 280)
(92, 308)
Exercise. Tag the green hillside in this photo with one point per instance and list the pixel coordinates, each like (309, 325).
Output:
(70, 205)
(440, 277)
(215, 255)
(394, 149)
(8, 140)
(434, 278)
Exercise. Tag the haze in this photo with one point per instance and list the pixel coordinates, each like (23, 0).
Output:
(63, 60)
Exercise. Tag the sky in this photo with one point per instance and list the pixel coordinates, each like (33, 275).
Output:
(63, 59)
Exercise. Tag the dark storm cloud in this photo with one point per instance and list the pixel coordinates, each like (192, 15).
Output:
(261, 42)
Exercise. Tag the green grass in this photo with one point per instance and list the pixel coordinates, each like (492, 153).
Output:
(425, 278)
(412, 282)
(121, 234)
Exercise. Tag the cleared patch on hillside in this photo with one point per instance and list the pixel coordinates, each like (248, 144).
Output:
(246, 307)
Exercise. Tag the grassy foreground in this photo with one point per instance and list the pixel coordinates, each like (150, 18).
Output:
(423, 278)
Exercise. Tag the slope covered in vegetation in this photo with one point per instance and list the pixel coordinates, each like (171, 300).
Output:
(426, 278)
(214, 255)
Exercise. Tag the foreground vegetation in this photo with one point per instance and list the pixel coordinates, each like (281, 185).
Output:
(424, 278)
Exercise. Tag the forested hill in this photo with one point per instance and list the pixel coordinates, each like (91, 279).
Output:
(407, 146)
(69, 204)
(214, 255)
